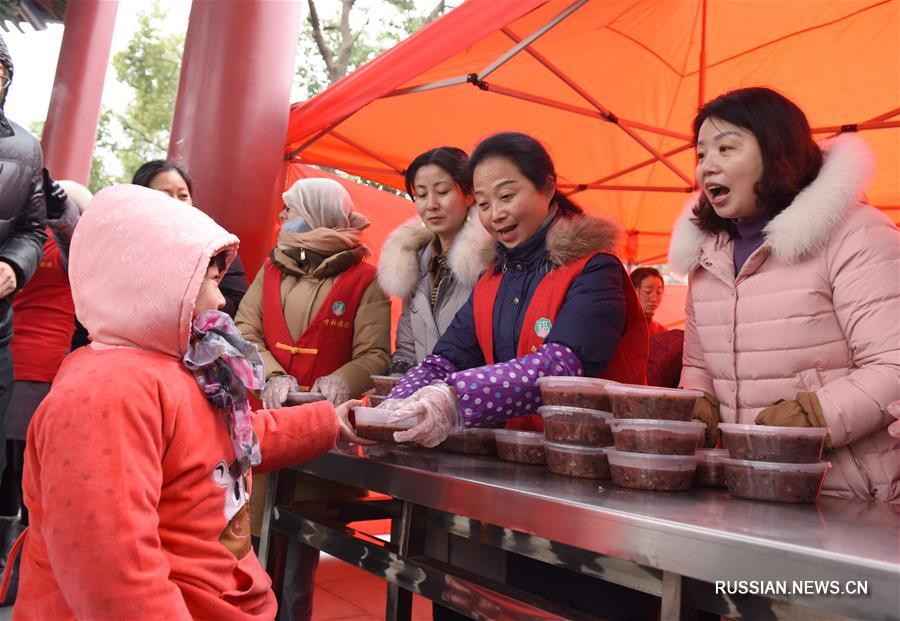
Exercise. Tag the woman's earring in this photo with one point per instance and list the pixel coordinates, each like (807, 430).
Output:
(468, 218)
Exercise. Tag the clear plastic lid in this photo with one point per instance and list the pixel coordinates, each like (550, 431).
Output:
(378, 416)
(574, 449)
(581, 384)
(655, 424)
(511, 436)
(819, 466)
(299, 398)
(711, 456)
(472, 431)
(769, 430)
(649, 461)
(644, 391)
(549, 411)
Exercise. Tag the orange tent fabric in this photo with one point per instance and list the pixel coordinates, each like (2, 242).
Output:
(611, 87)
(384, 210)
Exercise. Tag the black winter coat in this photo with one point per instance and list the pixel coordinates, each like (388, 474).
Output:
(22, 213)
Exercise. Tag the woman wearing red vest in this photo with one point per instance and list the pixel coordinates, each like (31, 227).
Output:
(315, 312)
(557, 301)
(321, 323)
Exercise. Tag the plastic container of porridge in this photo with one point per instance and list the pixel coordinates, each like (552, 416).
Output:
(800, 445)
(573, 425)
(651, 402)
(660, 437)
(524, 447)
(666, 473)
(785, 482)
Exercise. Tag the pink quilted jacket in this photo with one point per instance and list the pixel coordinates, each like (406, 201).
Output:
(815, 309)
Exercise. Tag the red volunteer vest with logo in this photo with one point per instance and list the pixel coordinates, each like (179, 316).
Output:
(629, 360)
(43, 320)
(327, 343)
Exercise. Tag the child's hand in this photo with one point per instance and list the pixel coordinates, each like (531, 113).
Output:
(347, 432)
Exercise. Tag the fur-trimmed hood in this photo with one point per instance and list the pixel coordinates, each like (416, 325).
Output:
(399, 267)
(807, 224)
(572, 237)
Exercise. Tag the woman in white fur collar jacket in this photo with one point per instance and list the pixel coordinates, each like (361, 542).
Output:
(792, 312)
(433, 261)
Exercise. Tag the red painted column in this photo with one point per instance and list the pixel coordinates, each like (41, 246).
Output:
(231, 114)
(74, 111)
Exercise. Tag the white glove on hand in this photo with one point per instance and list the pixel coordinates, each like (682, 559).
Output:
(435, 407)
(333, 388)
(276, 390)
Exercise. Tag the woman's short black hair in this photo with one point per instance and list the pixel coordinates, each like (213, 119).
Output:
(791, 158)
(148, 170)
(451, 160)
(526, 154)
(638, 276)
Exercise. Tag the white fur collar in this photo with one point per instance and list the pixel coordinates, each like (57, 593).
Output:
(809, 221)
(399, 269)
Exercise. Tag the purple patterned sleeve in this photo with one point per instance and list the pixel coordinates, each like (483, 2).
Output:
(493, 393)
(433, 368)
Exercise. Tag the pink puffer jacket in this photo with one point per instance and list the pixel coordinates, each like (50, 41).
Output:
(815, 309)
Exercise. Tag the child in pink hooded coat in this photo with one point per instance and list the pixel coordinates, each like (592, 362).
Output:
(137, 468)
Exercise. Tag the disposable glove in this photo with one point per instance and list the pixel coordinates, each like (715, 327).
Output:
(804, 411)
(276, 390)
(54, 196)
(332, 388)
(706, 410)
(432, 369)
(435, 408)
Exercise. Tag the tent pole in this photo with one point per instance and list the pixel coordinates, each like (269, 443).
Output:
(366, 151)
(626, 188)
(523, 43)
(856, 127)
(606, 114)
(701, 87)
(621, 173)
(315, 138)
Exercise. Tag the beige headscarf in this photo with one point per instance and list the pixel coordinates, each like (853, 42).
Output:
(327, 208)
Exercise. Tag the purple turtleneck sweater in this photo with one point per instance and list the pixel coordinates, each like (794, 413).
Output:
(748, 238)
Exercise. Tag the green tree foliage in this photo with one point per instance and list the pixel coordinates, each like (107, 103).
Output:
(150, 65)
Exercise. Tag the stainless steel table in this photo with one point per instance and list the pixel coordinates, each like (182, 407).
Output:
(672, 545)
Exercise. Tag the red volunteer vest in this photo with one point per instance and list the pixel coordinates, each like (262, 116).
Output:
(43, 320)
(629, 360)
(327, 343)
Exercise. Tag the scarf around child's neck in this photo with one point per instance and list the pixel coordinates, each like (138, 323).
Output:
(226, 366)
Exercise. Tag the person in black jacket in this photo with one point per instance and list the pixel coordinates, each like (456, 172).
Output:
(22, 237)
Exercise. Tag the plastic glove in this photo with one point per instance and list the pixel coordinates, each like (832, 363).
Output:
(435, 407)
(348, 434)
(333, 388)
(276, 390)
(706, 410)
(54, 196)
(804, 411)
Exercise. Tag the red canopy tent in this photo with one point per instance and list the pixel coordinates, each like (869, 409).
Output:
(611, 87)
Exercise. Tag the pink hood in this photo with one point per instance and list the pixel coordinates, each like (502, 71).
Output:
(136, 263)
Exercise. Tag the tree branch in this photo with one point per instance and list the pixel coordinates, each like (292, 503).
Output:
(319, 39)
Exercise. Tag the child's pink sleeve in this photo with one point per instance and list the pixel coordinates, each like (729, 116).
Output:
(292, 435)
(101, 474)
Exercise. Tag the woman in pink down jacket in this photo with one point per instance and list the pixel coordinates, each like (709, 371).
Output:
(794, 300)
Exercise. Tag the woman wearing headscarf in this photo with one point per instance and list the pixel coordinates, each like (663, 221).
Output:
(316, 290)
(322, 324)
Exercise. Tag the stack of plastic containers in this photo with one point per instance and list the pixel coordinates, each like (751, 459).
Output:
(654, 436)
(383, 385)
(576, 415)
(781, 464)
